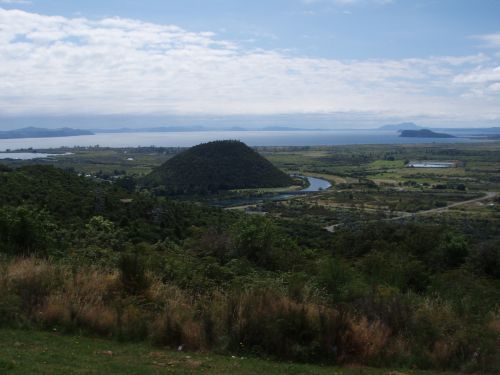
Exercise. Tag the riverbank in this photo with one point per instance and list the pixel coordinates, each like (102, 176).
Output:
(314, 185)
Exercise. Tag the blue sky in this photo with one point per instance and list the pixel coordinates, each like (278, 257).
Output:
(432, 61)
(322, 28)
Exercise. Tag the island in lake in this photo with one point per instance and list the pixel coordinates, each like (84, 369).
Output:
(424, 133)
(33, 132)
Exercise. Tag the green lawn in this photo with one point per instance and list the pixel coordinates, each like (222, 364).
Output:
(35, 352)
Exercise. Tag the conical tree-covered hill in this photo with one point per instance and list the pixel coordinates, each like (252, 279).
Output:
(218, 165)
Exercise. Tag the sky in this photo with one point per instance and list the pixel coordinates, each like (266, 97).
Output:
(309, 63)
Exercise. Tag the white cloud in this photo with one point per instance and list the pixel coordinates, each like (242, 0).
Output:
(490, 40)
(15, 2)
(64, 65)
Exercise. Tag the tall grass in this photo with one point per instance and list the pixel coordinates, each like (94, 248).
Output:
(261, 321)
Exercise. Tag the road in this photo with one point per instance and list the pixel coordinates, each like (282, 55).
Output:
(487, 195)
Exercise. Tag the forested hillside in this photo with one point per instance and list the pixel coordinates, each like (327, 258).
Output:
(219, 165)
(81, 255)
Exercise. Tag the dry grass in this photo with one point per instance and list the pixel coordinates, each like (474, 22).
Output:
(369, 338)
(262, 321)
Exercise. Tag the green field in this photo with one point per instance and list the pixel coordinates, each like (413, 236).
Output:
(35, 352)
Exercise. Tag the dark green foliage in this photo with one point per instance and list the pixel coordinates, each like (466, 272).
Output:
(27, 231)
(436, 246)
(260, 241)
(248, 283)
(214, 166)
(451, 252)
(92, 213)
(471, 296)
(103, 233)
(340, 280)
(485, 258)
(127, 183)
(396, 269)
(5, 168)
(65, 195)
(133, 273)
(10, 307)
(212, 242)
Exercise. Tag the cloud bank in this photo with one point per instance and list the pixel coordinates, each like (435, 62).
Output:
(58, 66)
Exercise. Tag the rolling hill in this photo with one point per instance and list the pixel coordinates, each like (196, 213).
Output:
(42, 133)
(214, 166)
(401, 126)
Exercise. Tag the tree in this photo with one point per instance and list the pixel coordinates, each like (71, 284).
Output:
(26, 231)
(103, 233)
(260, 241)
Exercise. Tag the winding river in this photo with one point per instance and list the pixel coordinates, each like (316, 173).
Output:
(315, 185)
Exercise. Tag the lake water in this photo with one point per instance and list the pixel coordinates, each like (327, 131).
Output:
(23, 155)
(425, 164)
(252, 138)
(27, 155)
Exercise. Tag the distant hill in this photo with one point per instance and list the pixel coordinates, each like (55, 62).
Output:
(218, 165)
(168, 129)
(42, 133)
(424, 133)
(401, 126)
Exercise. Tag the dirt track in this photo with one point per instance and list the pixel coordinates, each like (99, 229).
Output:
(487, 195)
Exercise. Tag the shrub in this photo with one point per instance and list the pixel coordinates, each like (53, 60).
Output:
(397, 269)
(368, 340)
(484, 259)
(133, 273)
(25, 231)
(340, 280)
(260, 241)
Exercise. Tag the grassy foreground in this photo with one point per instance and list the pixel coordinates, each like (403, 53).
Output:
(35, 352)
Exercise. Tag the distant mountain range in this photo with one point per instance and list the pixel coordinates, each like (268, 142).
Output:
(34, 132)
(42, 133)
(168, 129)
(401, 126)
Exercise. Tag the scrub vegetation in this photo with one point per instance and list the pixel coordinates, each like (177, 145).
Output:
(406, 276)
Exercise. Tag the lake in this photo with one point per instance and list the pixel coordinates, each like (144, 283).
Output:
(27, 155)
(252, 138)
(431, 164)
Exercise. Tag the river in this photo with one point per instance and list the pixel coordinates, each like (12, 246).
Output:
(315, 185)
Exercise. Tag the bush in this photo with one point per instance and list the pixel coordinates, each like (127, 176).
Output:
(484, 259)
(340, 280)
(260, 241)
(397, 269)
(26, 231)
(133, 273)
